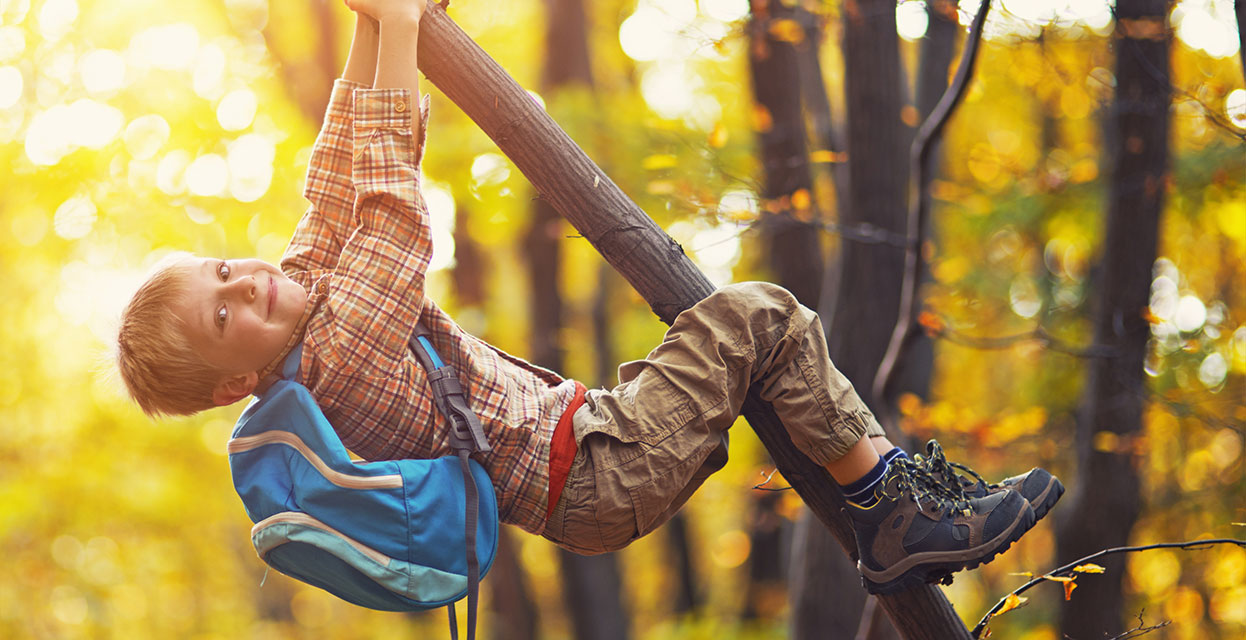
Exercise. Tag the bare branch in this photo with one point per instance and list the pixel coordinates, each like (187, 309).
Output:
(1068, 570)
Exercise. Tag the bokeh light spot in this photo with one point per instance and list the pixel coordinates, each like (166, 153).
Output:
(102, 70)
(236, 110)
(74, 218)
(208, 175)
(145, 135)
(11, 86)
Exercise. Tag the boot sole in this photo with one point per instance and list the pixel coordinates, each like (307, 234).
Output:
(935, 566)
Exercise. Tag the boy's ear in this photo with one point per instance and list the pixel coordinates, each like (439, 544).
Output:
(235, 388)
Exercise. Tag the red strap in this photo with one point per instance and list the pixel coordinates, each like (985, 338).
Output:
(562, 450)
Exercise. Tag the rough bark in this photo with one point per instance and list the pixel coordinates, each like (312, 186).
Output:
(647, 257)
(1105, 500)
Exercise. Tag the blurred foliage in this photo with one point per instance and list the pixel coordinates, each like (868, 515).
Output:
(132, 128)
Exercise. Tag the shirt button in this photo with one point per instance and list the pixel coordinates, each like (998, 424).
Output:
(322, 287)
(400, 106)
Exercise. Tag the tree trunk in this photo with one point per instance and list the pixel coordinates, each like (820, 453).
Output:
(793, 246)
(647, 257)
(869, 275)
(511, 601)
(1106, 498)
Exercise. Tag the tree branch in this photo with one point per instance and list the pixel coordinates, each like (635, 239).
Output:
(1068, 569)
(650, 260)
(919, 208)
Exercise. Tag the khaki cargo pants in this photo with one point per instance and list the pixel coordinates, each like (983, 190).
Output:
(646, 445)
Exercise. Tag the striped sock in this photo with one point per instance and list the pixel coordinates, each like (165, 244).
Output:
(896, 452)
(861, 491)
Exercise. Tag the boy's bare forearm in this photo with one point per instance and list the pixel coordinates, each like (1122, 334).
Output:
(396, 60)
(361, 61)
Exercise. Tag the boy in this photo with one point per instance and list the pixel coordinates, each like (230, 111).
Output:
(590, 470)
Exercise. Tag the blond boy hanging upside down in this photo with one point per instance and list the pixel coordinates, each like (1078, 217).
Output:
(591, 470)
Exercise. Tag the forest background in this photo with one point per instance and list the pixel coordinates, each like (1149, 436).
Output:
(129, 129)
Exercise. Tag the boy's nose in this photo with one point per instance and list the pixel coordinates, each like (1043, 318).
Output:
(244, 288)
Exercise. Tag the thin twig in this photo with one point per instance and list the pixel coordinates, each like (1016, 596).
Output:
(761, 486)
(1067, 570)
(919, 207)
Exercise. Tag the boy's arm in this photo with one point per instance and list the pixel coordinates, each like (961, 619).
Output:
(323, 230)
(378, 287)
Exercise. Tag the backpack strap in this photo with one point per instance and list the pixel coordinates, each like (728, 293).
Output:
(467, 436)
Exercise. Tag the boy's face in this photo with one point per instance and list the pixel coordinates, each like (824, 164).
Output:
(239, 314)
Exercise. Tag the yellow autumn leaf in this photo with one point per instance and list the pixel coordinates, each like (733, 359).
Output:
(1011, 602)
(787, 30)
(827, 157)
(1067, 581)
(762, 120)
(1089, 567)
(801, 199)
(1023, 574)
(659, 161)
(718, 136)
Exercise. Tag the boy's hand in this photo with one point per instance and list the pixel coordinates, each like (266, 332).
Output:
(383, 10)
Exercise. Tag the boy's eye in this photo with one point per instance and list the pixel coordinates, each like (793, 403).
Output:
(220, 317)
(223, 271)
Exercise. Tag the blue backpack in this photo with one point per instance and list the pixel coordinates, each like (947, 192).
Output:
(397, 535)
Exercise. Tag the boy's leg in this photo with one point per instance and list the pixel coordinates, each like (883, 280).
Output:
(648, 441)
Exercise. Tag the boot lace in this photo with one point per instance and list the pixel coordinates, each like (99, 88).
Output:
(949, 475)
(906, 476)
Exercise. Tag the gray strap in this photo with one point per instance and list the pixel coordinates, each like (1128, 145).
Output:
(467, 436)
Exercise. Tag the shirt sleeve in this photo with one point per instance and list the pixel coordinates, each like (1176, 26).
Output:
(328, 222)
(378, 287)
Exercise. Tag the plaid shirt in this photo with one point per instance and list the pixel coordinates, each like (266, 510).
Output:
(362, 250)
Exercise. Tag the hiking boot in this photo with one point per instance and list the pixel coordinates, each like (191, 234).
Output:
(1041, 489)
(920, 531)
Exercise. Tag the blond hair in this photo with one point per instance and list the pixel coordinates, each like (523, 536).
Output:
(161, 371)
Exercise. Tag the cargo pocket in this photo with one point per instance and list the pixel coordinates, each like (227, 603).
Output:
(652, 501)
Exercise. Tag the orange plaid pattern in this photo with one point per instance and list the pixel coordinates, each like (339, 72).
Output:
(362, 248)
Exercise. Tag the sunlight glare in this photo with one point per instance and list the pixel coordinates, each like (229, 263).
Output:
(48, 136)
(645, 35)
(236, 110)
(209, 72)
(250, 160)
(208, 175)
(74, 218)
(102, 70)
(1191, 314)
(171, 172)
(1213, 370)
(12, 43)
(145, 135)
(56, 18)
(93, 124)
(911, 19)
(441, 220)
(669, 89)
(11, 86)
(171, 47)
(489, 169)
(1207, 26)
(725, 10)
(1024, 298)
